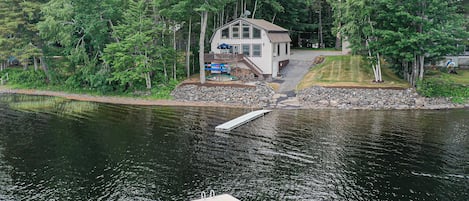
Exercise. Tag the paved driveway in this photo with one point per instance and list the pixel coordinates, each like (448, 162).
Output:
(300, 62)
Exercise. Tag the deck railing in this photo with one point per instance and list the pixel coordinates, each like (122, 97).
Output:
(222, 57)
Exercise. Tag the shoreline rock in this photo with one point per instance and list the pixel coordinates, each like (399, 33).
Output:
(371, 99)
(261, 95)
(258, 96)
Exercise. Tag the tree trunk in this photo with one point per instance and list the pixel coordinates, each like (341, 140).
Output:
(148, 80)
(165, 71)
(44, 68)
(422, 65)
(337, 41)
(405, 69)
(188, 49)
(414, 71)
(203, 27)
(147, 74)
(321, 41)
(175, 55)
(35, 63)
(254, 10)
(235, 13)
(380, 77)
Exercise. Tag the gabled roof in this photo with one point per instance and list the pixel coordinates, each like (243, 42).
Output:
(269, 27)
(275, 33)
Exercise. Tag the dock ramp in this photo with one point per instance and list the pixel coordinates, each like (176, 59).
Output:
(232, 124)
(224, 197)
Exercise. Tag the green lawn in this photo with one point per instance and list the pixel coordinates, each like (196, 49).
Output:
(348, 71)
(461, 78)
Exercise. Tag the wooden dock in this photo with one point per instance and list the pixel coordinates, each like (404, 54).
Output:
(224, 197)
(230, 125)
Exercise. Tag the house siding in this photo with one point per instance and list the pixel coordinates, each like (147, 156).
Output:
(267, 62)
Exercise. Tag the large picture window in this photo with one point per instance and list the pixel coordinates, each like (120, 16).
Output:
(225, 33)
(246, 49)
(246, 31)
(256, 50)
(256, 33)
(235, 29)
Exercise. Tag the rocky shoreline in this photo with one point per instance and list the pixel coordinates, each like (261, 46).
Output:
(257, 95)
(261, 95)
(358, 98)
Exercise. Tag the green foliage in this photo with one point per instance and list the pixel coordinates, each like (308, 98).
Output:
(443, 86)
(163, 91)
(28, 78)
(110, 46)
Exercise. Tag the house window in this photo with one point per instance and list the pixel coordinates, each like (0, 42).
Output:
(256, 50)
(256, 33)
(246, 30)
(246, 49)
(286, 48)
(225, 33)
(278, 49)
(235, 29)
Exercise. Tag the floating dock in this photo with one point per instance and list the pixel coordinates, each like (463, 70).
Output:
(224, 197)
(230, 125)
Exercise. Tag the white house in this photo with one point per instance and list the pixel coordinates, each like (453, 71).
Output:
(256, 44)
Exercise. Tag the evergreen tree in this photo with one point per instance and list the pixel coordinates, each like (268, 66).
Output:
(138, 56)
(10, 24)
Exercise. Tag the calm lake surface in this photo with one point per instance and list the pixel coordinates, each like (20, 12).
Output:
(54, 149)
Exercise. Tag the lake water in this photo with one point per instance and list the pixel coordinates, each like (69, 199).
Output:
(54, 149)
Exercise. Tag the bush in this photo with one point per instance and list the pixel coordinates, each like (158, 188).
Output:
(443, 87)
(28, 78)
(163, 91)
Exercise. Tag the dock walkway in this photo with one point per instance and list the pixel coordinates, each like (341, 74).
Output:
(230, 125)
(224, 197)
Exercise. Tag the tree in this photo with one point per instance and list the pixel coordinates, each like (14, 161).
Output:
(10, 23)
(204, 8)
(359, 29)
(131, 57)
(407, 32)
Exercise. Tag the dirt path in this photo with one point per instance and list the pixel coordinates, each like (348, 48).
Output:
(112, 99)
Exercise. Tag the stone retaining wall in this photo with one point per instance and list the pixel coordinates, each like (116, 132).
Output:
(354, 98)
(259, 95)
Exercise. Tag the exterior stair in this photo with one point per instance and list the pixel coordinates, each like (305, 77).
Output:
(232, 58)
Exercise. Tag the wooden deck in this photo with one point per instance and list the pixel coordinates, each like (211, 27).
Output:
(230, 125)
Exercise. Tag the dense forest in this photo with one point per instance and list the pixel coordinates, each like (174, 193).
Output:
(131, 45)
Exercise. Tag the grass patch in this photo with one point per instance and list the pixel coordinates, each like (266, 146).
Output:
(348, 71)
(438, 83)
(461, 78)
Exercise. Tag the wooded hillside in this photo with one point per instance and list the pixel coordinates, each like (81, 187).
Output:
(128, 45)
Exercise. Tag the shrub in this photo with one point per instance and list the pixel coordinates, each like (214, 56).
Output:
(443, 87)
(28, 78)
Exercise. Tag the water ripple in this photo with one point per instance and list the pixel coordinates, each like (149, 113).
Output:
(119, 152)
